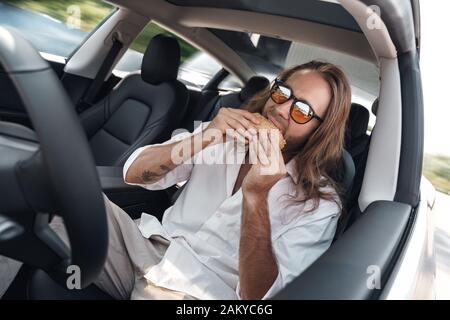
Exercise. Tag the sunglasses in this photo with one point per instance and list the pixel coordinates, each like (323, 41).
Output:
(301, 112)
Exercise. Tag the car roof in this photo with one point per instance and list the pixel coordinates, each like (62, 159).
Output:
(322, 23)
(324, 12)
(193, 24)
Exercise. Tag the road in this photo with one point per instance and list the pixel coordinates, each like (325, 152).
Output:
(52, 36)
(442, 242)
(45, 33)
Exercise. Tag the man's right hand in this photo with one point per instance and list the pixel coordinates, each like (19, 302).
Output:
(153, 163)
(235, 122)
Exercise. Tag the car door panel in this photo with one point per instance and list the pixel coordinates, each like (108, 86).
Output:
(12, 109)
(349, 271)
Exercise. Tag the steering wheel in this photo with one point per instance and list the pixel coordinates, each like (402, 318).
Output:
(56, 173)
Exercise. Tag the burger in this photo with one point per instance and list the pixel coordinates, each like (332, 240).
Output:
(265, 123)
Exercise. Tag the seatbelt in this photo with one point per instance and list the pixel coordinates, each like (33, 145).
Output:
(91, 93)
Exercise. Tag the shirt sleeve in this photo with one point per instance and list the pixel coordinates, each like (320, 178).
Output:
(300, 245)
(180, 173)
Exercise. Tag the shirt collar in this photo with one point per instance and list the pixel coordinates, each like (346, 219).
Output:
(291, 169)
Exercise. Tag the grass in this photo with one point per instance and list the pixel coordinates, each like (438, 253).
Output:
(91, 14)
(436, 168)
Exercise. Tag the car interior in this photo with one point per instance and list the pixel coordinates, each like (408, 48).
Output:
(145, 107)
(142, 109)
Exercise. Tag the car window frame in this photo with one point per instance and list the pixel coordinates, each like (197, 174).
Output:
(103, 21)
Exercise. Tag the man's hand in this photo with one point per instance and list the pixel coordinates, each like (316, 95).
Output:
(257, 266)
(235, 122)
(268, 164)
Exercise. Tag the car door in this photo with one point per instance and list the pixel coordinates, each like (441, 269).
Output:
(388, 253)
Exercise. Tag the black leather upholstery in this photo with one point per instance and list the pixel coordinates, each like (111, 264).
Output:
(161, 60)
(143, 108)
(356, 137)
(357, 143)
(235, 100)
(253, 86)
(348, 171)
(375, 107)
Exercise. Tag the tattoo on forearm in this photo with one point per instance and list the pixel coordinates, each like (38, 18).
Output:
(165, 168)
(149, 176)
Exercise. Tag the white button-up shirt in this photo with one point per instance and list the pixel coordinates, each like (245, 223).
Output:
(203, 226)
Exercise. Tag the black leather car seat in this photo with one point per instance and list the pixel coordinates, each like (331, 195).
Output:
(142, 109)
(356, 137)
(236, 100)
(357, 143)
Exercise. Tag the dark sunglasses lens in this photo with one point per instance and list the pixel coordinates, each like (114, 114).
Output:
(301, 112)
(280, 94)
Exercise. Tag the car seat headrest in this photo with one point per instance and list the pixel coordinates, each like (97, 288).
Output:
(161, 60)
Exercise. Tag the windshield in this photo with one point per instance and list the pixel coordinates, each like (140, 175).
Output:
(54, 27)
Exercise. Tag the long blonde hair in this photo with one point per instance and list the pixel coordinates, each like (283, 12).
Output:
(320, 157)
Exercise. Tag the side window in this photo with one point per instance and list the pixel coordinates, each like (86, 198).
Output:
(132, 59)
(230, 83)
(196, 67)
(54, 27)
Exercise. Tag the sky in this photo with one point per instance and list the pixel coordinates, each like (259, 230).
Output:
(435, 68)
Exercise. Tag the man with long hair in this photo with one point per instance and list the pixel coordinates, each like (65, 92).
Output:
(251, 217)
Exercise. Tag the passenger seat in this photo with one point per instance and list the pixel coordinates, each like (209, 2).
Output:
(357, 144)
(143, 108)
(356, 137)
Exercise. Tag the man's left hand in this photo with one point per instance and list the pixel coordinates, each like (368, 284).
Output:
(268, 164)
